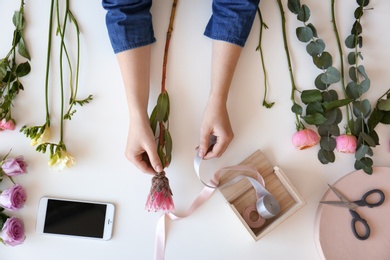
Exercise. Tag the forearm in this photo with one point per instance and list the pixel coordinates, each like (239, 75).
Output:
(223, 64)
(135, 69)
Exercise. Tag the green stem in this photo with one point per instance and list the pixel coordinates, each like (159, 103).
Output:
(260, 49)
(336, 31)
(48, 64)
(293, 86)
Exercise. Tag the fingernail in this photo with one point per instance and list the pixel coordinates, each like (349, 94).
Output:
(158, 168)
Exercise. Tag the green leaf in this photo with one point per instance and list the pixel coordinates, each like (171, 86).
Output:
(351, 41)
(375, 118)
(330, 95)
(361, 152)
(319, 84)
(358, 12)
(351, 58)
(326, 130)
(161, 155)
(315, 47)
(364, 164)
(312, 95)
(362, 108)
(294, 6)
(326, 157)
(314, 119)
(22, 49)
(162, 107)
(304, 33)
(3, 69)
(18, 20)
(168, 144)
(353, 74)
(362, 71)
(384, 104)
(23, 69)
(153, 119)
(327, 143)
(332, 75)
(323, 61)
(336, 103)
(303, 14)
(356, 28)
(368, 139)
(314, 107)
(363, 2)
(313, 29)
(297, 109)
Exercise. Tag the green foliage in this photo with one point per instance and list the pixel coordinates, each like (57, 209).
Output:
(10, 69)
(159, 124)
(322, 103)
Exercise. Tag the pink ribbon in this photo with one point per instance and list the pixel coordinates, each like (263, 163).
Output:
(204, 195)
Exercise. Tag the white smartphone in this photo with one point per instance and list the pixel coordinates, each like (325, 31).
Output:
(76, 218)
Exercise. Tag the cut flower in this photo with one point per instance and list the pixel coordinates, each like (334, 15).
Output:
(14, 166)
(346, 143)
(160, 195)
(13, 198)
(12, 233)
(61, 160)
(7, 124)
(305, 138)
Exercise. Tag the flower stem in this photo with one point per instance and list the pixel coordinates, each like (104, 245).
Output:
(336, 31)
(293, 86)
(48, 64)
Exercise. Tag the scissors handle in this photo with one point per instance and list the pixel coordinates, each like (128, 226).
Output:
(355, 219)
(364, 201)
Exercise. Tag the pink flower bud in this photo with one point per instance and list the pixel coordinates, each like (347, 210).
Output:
(12, 232)
(346, 143)
(13, 198)
(160, 196)
(7, 125)
(14, 166)
(305, 138)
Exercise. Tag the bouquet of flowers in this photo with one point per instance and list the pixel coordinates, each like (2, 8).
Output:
(12, 199)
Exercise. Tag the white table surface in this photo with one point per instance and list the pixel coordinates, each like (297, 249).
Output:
(96, 136)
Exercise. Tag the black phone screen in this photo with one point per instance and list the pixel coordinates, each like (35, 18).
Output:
(75, 218)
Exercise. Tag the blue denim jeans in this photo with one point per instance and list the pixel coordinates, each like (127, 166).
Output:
(129, 22)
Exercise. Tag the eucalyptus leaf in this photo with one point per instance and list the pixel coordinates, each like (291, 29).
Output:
(294, 6)
(368, 139)
(323, 61)
(364, 86)
(333, 117)
(326, 157)
(351, 58)
(357, 127)
(363, 2)
(330, 95)
(314, 107)
(351, 41)
(313, 29)
(315, 47)
(353, 74)
(297, 109)
(314, 119)
(362, 71)
(336, 103)
(326, 130)
(328, 143)
(312, 95)
(303, 14)
(362, 108)
(361, 152)
(384, 104)
(356, 28)
(304, 34)
(375, 118)
(319, 84)
(332, 75)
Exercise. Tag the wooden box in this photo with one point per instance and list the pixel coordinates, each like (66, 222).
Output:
(242, 194)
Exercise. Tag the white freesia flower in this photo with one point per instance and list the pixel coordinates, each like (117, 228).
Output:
(61, 160)
(42, 138)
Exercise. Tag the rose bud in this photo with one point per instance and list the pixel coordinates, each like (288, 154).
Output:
(14, 166)
(346, 143)
(12, 232)
(13, 198)
(305, 138)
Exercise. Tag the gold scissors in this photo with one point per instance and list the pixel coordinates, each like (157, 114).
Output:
(352, 205)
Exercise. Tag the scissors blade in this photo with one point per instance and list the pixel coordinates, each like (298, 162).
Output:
(340, 204)
(339, 194)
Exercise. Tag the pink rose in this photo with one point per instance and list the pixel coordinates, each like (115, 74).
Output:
(13, 232)
(7, 125)
(305, 138)
(13, 198)
(14, 166)
(346, 143)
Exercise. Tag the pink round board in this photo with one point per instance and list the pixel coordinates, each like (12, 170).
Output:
(333, 233)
